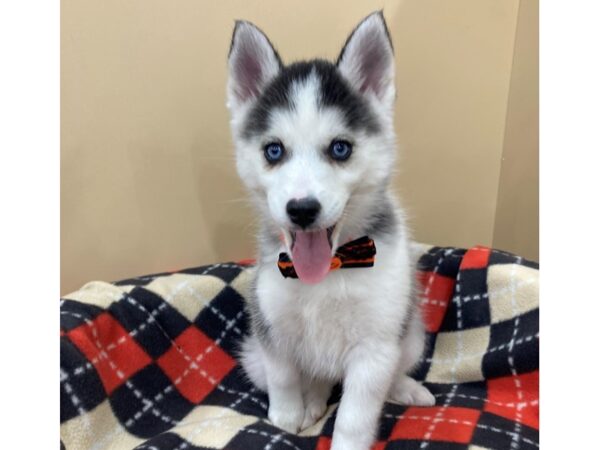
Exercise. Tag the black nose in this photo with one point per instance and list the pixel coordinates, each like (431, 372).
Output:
(304, 211)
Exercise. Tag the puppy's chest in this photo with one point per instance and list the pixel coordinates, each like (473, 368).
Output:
(320, 326)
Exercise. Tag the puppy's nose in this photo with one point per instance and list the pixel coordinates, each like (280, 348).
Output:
(303, 212)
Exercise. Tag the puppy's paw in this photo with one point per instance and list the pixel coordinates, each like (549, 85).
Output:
(315, 408)
(288, 419)
(407, 391)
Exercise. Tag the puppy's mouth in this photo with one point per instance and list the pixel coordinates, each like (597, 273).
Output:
(311, 253)
(329, 231)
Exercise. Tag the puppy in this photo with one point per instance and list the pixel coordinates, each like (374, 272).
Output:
(315, 146)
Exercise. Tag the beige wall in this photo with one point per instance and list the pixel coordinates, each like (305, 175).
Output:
(517, 209)
(147, 177)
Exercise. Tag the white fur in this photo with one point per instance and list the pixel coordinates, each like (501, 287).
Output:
(346, 327)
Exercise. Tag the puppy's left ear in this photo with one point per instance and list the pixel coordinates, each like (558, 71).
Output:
(367, 59)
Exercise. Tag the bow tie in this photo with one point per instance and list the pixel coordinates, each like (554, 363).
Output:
(357, 253)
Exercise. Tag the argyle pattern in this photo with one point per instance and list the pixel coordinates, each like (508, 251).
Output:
(150, 362)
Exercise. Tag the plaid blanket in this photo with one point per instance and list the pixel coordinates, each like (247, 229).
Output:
(149, 362)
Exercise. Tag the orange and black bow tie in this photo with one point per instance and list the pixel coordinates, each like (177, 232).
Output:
(357, 253)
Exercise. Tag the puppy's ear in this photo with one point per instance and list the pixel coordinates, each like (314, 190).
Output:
(367, 59)
(252, 63)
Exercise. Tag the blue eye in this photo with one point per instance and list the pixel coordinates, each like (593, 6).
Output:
(274, 152)
(340, 150)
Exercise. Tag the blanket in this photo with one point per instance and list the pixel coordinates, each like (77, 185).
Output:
(150, 362)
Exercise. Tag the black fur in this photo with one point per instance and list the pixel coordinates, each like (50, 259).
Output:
(383, 220)
(334, 92)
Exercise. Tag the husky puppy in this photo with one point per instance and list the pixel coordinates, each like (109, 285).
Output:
(315, 146)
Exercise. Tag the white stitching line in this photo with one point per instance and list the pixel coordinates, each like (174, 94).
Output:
(276, 438)
(502, 291)
(202, 425)
(434, 302)
(438, 417)
(81, 369)
(487, 249)
(229, 325)
(435, 270)
(519, 341)
(151, 318)
(208, 269)
(475, 249)
(470, 298)
(265, 434)
(493, 402)
(509, 433)
(143, 309)
(157, 399)
(224, 319)
(462, 422)
(185, 284)
(514, 444)
(205, 423)
(221, 417)
(457, 299)
(110, 295)
(73, 396)
(192, 292)
(501, 252)
(484, 295)
(192, 363)
(160, 396)
(243, 395)
(166, 275)
(459, 350)
(147, 403)
(285, 441)
(459, 325)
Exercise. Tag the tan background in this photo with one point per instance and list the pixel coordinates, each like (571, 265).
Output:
(147, 177)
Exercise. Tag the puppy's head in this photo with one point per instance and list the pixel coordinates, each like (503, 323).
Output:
(314, 140)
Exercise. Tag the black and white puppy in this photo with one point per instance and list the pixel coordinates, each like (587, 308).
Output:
(315, 146)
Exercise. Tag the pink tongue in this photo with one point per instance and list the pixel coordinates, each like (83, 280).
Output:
(311, 256)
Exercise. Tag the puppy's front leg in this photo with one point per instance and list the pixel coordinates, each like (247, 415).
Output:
(367, 380)
(286, 408)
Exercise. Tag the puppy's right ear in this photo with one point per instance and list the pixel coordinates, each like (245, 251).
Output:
(252, 63)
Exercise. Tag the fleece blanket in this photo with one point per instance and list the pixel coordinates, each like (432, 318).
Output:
(149, 362)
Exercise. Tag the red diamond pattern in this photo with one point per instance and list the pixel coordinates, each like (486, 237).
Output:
(195, 364)
(451, 424)
(112, 351)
